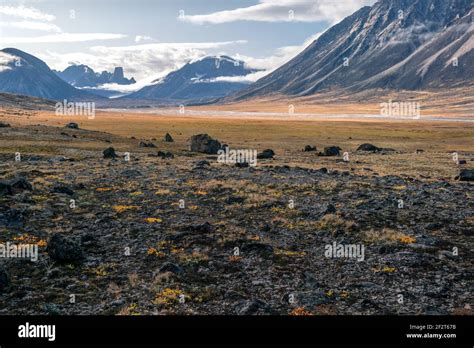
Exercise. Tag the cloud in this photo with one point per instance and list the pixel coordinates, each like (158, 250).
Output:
(61, 38)
(40, 26)
(140, 38)
(26, 13)
(249, 78)
(5, 60)
(145, 62)
(283, 11)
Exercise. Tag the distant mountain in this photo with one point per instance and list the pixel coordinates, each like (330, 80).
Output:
(22, 73)
(393, 45)
(84, 76)
(207, 79)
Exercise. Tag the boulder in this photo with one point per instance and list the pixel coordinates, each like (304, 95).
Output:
(205, 144)
(64, 249)
(170, 267)
(144, 144)
(63, 189)
(109, 153)
(14, 186)
(368, 148)
(309, 148)
(4, 125)
(466, 175)
(330, 151)
(72, 125)
(165, 155)
(266, 154)
(168, 138)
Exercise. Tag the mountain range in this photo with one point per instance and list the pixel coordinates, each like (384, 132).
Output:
(84, 76)
(24, 74)
(204, 80)
(392, 45)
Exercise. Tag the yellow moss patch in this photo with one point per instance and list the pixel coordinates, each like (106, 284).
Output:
(153, 220)
(290, 253)
(407, 240)
(387, 235)
(122, 208)
(155, 252)
(235, 258)
(300, 311)
(344, 294)
(103, 189)
(330, 293)
(168, 296)
(384, 269)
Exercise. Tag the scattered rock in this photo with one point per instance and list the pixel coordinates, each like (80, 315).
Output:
(131, 173)
(205, 144)
(4, 125)
(330, 151)
(144, 144)
(168, 138)
(64, 249)
(329, 209)
(235, 200)
(309, 148)
(63, 189)
(323, 170)
(72, 125)
(14, 186)
(110, 153)
(252, 307)
(171, 267)
(11, 218)
(202, 228)
(466, 175)
(368, 148)
(266, 154)
(202, 164)
(242, 165)
(4, 280)
(165, 155)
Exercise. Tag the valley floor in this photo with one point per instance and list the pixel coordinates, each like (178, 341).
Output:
(145, 254)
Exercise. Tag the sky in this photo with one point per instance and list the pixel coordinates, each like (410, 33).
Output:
(150, 38)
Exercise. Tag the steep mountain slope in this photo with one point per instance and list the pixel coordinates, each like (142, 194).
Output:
(84, 76)
(22, 73)
(206, 79)
(25, 102)
(395, 44)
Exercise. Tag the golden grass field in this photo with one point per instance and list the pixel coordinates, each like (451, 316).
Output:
(285, 136)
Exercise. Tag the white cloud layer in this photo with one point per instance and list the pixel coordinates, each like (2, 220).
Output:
(61, 38)
(283, 11)
(145, 62)
(30, 25)
(26, 13)
(6, 59)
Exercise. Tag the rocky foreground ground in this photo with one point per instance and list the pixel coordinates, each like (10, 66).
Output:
(184, 234)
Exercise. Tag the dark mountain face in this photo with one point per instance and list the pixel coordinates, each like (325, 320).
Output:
(395, 44)
(28, 75)
(197, 81)
(84, 76)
